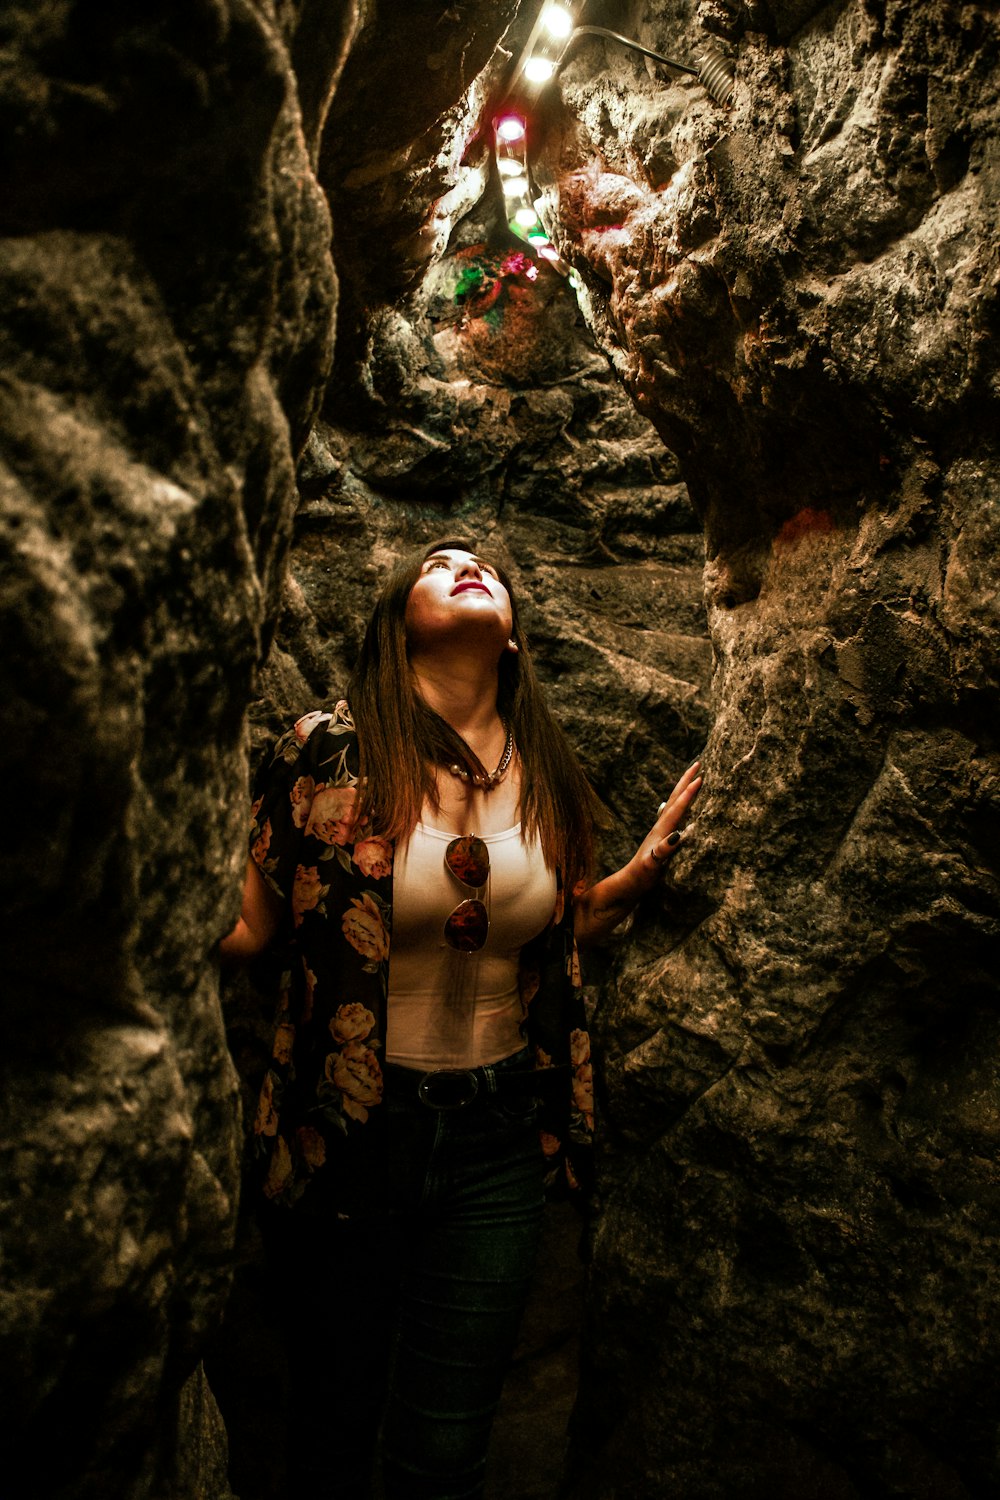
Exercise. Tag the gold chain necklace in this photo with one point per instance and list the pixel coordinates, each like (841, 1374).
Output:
(492, 778)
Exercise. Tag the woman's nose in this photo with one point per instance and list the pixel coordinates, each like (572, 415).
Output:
(468, 569)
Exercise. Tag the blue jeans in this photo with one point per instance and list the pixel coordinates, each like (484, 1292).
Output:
(407, 1321)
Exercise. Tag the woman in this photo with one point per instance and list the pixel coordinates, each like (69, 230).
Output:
(408, 1106)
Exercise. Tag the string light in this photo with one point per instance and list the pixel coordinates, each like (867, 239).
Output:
(554, 32)
(539, 69)
(510, 129)
(510, 134)
(556, 29)
(547, 43)
(557, 20)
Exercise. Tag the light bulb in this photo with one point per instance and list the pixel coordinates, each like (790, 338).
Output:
(539, 69)
(515, 187)
(557, 21)
(510, 128)
(509, 166)
(525, 217)
(548, 251)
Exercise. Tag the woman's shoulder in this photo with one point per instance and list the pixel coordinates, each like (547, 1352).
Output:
(336, 721)
(318, 736)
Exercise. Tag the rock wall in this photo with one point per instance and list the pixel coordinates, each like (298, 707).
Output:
(168, 299)
(793, 1286)
(484, 413)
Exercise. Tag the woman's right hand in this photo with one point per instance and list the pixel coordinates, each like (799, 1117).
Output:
(258, 920)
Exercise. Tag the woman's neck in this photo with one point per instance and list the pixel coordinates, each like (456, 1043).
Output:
(466, 698)
(463, 693)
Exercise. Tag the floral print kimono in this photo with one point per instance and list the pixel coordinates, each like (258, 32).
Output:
(320, 1128)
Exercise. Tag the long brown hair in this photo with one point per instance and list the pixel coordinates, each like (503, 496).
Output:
(401, 740)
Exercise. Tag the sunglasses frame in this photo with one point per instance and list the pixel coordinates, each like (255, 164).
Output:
(472, 855)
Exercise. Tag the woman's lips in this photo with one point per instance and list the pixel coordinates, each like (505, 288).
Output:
(460, 588)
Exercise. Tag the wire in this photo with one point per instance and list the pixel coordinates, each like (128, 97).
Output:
(616, 36)
(716, 73)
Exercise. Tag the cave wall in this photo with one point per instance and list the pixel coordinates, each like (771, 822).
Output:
(168, 300)
(793, 1280)
(793, 1285)
(797, 1244)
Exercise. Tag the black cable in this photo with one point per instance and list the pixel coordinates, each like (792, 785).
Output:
(616, 36)
(716, 73)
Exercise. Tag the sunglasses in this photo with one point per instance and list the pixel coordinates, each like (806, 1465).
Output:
(468, 859)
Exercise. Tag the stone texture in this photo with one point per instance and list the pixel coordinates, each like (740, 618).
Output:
(793, 1288)
(796, 1258)
(574, 489)
(167, 295)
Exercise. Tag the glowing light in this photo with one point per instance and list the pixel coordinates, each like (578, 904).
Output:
(557, 21)
(537, 236)
(526, 217)
(510, 128)
(548, 252)
(515, 187)
(509, 166)
(539, 69)
(531, 272)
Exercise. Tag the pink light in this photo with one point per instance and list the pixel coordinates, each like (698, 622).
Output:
(510, 128)
(531, 272)
(548, 252)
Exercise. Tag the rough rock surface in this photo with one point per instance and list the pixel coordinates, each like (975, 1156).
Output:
(574, 490)
(793, 1288)
(168, 297)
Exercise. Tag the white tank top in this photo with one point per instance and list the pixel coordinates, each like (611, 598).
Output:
(458, 1010)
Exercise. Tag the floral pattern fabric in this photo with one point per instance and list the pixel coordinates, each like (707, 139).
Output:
(320, 1128)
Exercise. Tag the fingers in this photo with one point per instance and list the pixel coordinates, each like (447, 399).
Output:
(668, 813)
(671, 815)
(662, 851)
(691, 775)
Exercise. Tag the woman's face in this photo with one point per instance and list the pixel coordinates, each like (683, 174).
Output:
(458, 597)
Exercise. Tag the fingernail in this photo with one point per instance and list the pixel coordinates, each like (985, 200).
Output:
(673, 838)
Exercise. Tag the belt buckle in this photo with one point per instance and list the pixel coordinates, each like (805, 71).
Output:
(449, 1088)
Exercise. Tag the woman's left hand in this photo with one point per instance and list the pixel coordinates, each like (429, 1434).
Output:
(664, 837)
(601, 908)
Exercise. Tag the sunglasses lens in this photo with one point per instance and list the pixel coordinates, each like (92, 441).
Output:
(467, 927)
(468, 859)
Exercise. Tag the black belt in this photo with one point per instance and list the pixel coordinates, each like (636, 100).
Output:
(454, 1088)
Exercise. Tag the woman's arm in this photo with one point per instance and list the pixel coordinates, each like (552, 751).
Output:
(598, 911)
(258, 920)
